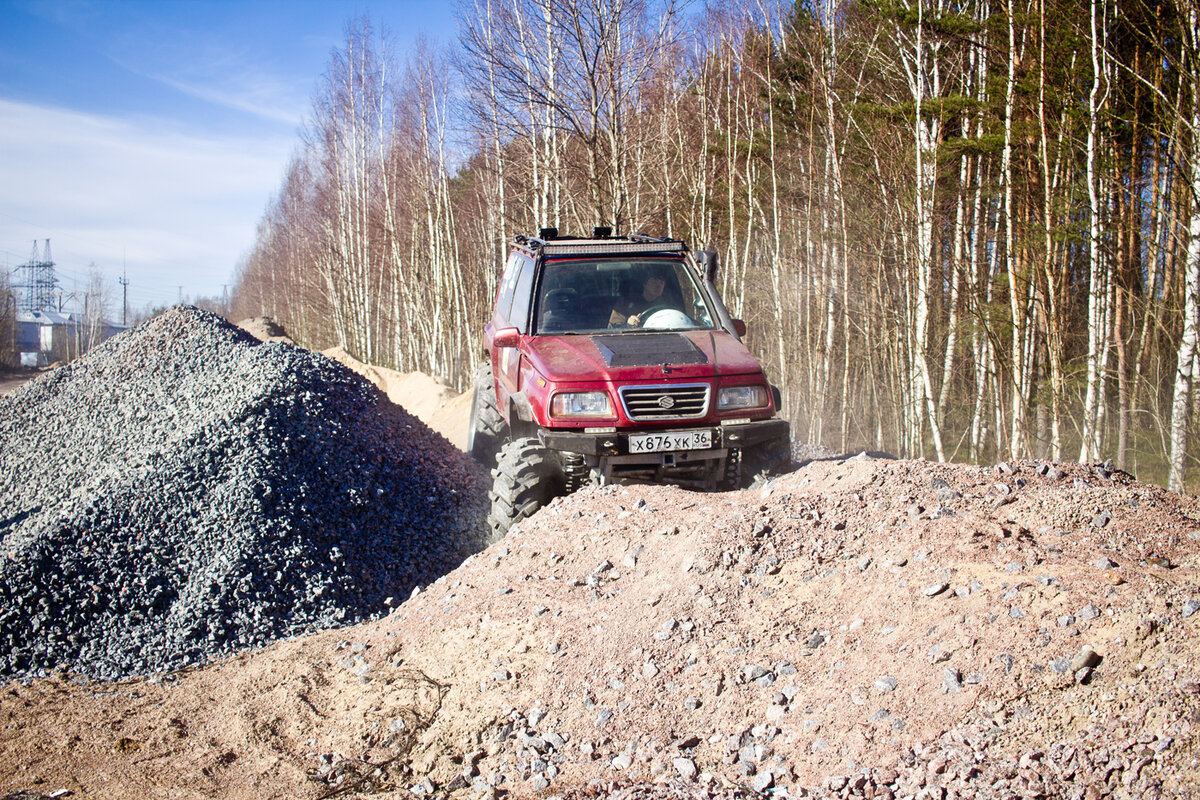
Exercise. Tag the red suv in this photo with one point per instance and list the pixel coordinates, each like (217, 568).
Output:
(612, 358)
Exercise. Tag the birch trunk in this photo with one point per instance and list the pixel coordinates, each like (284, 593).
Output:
(920, 61)
(1097, 272)
(1191, 302)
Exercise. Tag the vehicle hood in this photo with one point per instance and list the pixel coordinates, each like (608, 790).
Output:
(640, 356)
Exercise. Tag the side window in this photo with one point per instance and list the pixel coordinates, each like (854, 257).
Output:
(687, 291)
(694, 304)
(505, 297)
(522, 295)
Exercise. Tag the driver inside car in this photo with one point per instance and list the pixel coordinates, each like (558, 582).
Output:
(631, 311)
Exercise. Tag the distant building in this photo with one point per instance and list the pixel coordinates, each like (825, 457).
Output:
(43, 337)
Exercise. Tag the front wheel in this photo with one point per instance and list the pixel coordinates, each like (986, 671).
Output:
(486, 430)
(527, 477)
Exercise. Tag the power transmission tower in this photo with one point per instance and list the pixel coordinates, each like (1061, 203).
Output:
(39, 280)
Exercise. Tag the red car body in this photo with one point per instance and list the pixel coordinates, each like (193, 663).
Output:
(670, 381)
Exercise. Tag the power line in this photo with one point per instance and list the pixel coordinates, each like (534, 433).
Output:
(154, 294)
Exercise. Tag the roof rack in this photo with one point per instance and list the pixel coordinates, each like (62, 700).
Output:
(643, 237)
(529, 241)
(550, 242)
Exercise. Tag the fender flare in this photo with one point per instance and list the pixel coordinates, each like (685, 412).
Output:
(520, 414)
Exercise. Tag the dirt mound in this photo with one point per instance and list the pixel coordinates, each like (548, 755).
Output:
(265, 329)
(428, 399)
(184, 491)
(858, 628)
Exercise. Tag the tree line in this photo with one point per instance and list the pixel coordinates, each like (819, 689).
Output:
(956, 230)
(8, 323)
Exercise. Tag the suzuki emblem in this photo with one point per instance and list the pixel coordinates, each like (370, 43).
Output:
(666, 401)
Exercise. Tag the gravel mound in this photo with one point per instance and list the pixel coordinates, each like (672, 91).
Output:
(861, 627)
(184, 491)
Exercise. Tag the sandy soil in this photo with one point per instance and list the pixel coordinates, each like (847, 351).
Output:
(428, 399)
(265, 329)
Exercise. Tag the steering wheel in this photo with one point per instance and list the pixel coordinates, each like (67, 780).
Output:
(650, 311)
(668, 319)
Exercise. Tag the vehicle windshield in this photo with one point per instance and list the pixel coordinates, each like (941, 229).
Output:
(590, 295)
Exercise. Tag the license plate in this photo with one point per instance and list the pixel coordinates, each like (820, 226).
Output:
(670, 440)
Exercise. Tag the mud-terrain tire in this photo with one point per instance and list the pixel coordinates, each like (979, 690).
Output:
(765, 461)
(485, 433)
(527, 476)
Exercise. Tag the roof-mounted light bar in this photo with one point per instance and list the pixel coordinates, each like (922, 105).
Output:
(596, 248)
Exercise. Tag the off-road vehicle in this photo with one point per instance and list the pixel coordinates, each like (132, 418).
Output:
(613, 359)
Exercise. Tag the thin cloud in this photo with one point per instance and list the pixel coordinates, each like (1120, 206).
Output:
(260, 97)
(181, 208)
(222, 76)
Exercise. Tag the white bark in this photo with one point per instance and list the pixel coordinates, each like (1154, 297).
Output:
(1191, 304)
(1097, 271)
(1020, 367)
(920, 61)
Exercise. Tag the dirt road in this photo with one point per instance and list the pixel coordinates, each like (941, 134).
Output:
(9, 383)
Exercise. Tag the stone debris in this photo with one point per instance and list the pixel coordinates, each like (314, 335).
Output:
(184, 492)
(772, 694)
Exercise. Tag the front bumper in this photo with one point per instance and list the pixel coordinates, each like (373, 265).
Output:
(743, 435)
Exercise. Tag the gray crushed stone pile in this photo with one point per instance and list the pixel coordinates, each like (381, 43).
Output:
(184, 492)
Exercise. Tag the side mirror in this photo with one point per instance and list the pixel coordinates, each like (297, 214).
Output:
(739, 327)
(506, 337)
(707, 259)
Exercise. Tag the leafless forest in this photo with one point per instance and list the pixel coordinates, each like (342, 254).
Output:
(958, 230)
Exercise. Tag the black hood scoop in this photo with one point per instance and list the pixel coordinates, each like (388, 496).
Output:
(648, 349)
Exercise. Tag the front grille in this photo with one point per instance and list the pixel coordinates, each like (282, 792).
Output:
(673, 401)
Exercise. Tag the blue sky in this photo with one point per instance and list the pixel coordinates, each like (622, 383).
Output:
(153, 134)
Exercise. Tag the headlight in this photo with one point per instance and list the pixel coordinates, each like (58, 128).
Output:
(735, 397)
(581, 404)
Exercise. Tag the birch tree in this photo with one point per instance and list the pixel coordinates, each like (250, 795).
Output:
(1191, 305)
(939, 219)
(919, 55)
(1098, 307)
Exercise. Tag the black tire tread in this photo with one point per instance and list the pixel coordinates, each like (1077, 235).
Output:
(526, 477)
(487, 430)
